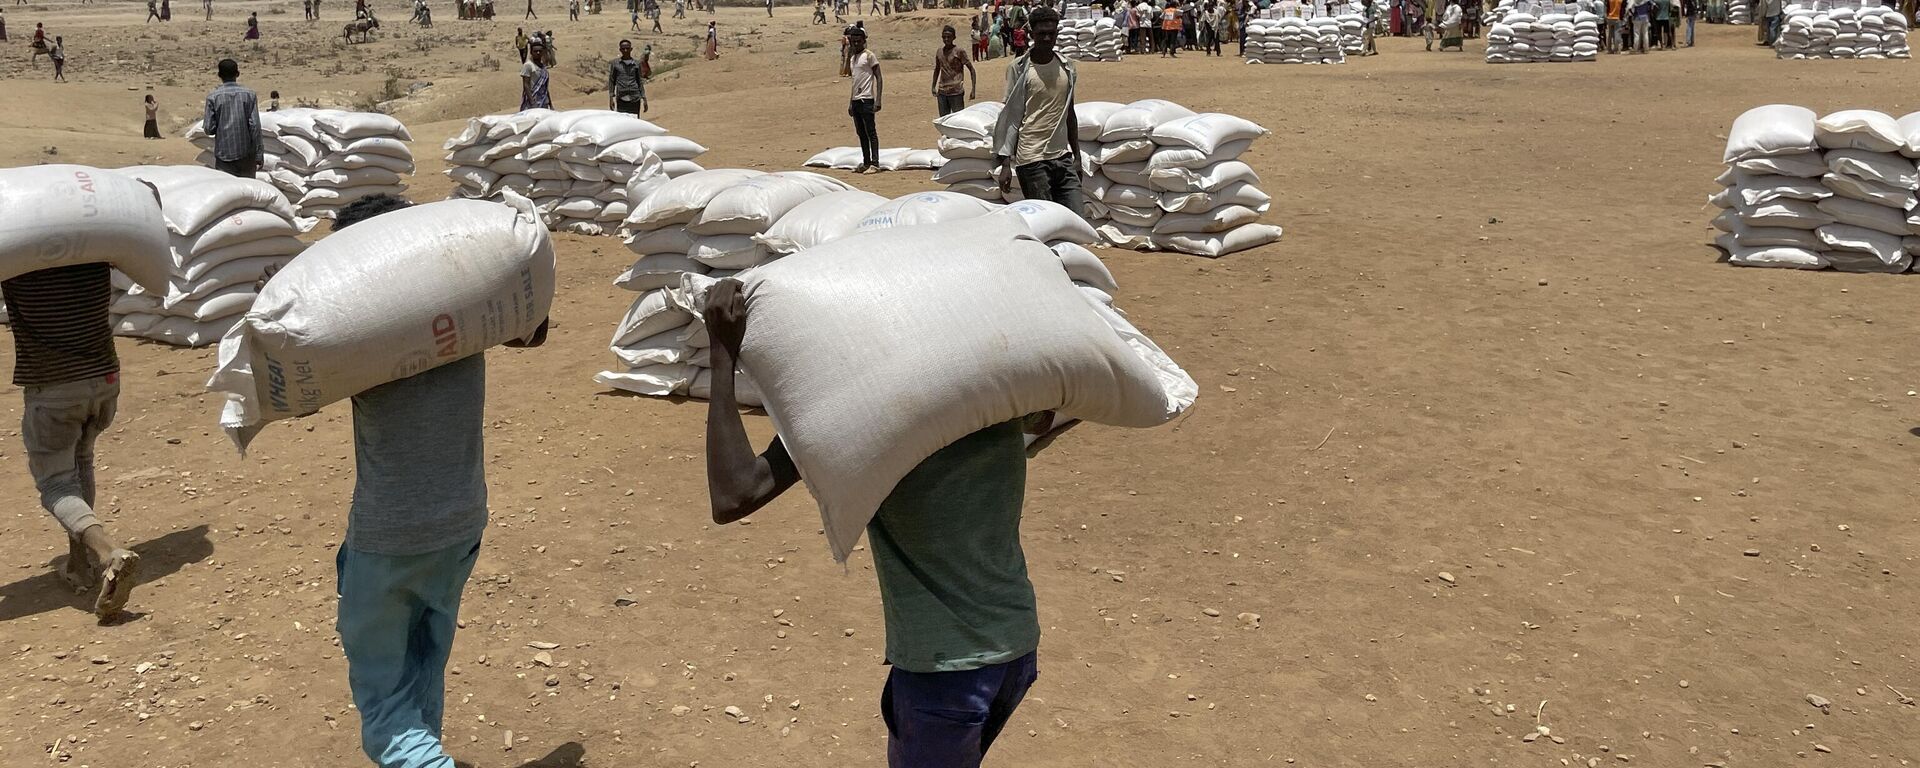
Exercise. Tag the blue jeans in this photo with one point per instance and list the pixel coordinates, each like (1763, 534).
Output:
(396, 629)
(949, 719)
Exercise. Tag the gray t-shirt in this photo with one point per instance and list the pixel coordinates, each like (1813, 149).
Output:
(420, 482)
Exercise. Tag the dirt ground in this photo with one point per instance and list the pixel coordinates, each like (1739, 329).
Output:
(1489, 439)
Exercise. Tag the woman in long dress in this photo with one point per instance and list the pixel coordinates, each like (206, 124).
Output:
(152, 130)
(253, 26)
(713, 42)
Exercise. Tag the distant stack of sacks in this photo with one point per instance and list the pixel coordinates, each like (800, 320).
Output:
(898, 159)
(1091, 40)
(1740, 12)
(707, 222)
(1291, 40)
(1809, 193)
(323, 159)
(1871, 32)
(226, 233)
(576, 165)
(1520, 37)
(1155, 175)
(1167, 179)
(717, 223)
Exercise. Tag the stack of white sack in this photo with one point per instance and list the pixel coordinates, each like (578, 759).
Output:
(1818, 32)
(1171, 180)
(710, 222)
(1517, 36)
(46, 226)
(947, 328)
(1740, 12)
(662, 341)
(1353, 27)
(224, 234)
(897, 159)
(576, 165)
(323, 159)
(1807, 193)
(1091, 40)
(966, 142)
(393, 296)
(1292, 40)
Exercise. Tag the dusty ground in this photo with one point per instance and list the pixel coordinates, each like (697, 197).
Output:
(1493, 343)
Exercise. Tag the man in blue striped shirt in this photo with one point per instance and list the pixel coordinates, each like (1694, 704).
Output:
(233, 120)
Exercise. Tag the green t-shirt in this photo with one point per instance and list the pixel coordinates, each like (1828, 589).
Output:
(946, 546)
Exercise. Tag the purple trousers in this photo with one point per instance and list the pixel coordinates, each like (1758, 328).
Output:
(949, 719)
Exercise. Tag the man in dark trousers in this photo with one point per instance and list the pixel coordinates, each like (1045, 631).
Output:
(626, 83)
(233, 120)
(1037, 137)
(962, 627)
(66, 367)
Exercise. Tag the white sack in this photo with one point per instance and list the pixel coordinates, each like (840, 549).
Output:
(876, 351)
(62, 215)
(822, 219)
(1775, 129)
(387, 298)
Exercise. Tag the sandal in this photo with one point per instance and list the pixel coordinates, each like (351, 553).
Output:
(116, 583)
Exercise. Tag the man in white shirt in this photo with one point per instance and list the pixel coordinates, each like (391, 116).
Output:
(1037, 137)
(865, 99)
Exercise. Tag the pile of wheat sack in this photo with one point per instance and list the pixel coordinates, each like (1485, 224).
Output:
(1810, 192)
(223, 235)
(1816, 32)
(1740, 12)
(323, 159)
(576, 165)
(1517, 36)
(395, 295)
(1089, 38)
(1292, 40)
(718, 223)
(1155, 175)
(897, 159)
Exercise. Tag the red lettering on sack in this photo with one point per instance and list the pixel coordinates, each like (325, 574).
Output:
(446, 337)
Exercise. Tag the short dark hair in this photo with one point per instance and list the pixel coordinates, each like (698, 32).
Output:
(229, 69)
(1043, 14)
(628, 43)
(367, 208)
(273, 95)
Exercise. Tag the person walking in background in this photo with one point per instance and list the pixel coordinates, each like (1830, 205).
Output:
(533, 80)
(414, 528)
(59, 57)
(713, 41)
(573, 10)
(633, 13)
(153, 11)
(962, 622)
(1663, 24)
(1616, 10)
(769, 9)
(1642, 20)
(1170, 30)
(1690, 10)
(865, 99)
(152, 128)
(679, 9)
(3, 25)
(530, 13)
(520, 43)
(207, 5)
(166, 10)
(1771, 29)
(233, 120)
(253, 27)
(626, 85)
(69, 376)
(1037, 137)
(951, 67)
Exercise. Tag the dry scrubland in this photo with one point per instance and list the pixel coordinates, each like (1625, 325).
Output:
(1494, 343)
